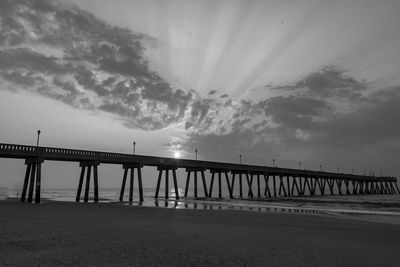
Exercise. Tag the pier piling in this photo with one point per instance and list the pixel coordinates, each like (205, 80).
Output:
(33, 172)
(130, 168)
(167, 168)
(86, 166)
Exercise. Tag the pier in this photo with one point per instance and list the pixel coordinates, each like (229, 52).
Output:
(286, 182)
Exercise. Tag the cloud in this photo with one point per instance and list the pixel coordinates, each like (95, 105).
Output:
(224, 96)
(330, 81)
(65, 53)
(326, 116)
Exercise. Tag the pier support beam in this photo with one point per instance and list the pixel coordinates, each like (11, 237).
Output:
(331, 184)
(219, 172)
(33, 172)
(346, 184)
(313, 181)
(267, 191)
(131, 169)
(249, 179)
(398, 191)
(356, 187)
(87, 166)
(302, 185)
(295, 185)
(392, 190)
(250, 182)
(166, 169)
(361, 187)
(195, 171)
(307, 182)
(387, 189)
(281, 186)
(321, 185)
(339, 185)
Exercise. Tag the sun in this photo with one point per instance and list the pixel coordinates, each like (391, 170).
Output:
(177, 154)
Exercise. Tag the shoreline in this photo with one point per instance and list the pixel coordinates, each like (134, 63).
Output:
(379, 214)
(104, 234)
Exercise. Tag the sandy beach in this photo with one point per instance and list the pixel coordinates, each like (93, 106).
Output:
(111, 234)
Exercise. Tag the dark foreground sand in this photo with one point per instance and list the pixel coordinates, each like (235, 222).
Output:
(57, 234)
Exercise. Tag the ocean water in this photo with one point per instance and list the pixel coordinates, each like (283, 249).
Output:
(384, 207)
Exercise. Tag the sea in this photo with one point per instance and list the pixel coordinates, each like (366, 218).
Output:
(381, 208)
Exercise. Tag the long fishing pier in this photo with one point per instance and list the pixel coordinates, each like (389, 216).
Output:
(285, 182)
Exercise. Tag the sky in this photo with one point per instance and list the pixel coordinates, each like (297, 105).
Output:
(315, 82)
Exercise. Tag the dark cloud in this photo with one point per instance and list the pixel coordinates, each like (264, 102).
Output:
(325, 118)
(330, 81)
(65, 53)
(212, 92)
(224, 96)
(199, 111)
(28, 59)
(294, 111)
(371, 125)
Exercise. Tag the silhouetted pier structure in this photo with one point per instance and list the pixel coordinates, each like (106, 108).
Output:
(291, 182)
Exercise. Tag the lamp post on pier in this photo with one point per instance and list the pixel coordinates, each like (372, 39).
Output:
(273, 162)
(38, 136)
(240, 158)
(134, 147)
(196, 152)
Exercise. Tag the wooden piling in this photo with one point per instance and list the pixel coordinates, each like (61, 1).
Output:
(175, 184)
(195, 184)
(230, 189)
(187, 183)
(166, 184)
(86, 167)
(26, 181)
(121, 195)
(339, 186)
(346, 183)
(166, 168)
(78, 193)
(31, 183)
(249, 183)
(288, 185)
(267, 191)
(195, 170)
(211, 184)
(132, 181)
(96, 184)
(139, 172)
(219, 172)
(240, 185)
(86, 197)
(158, 183)
(219, 185)
(281, 186)
(38, 181)
(398, 191)
(321, 184)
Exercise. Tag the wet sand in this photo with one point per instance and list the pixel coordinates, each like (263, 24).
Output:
(110, 234)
